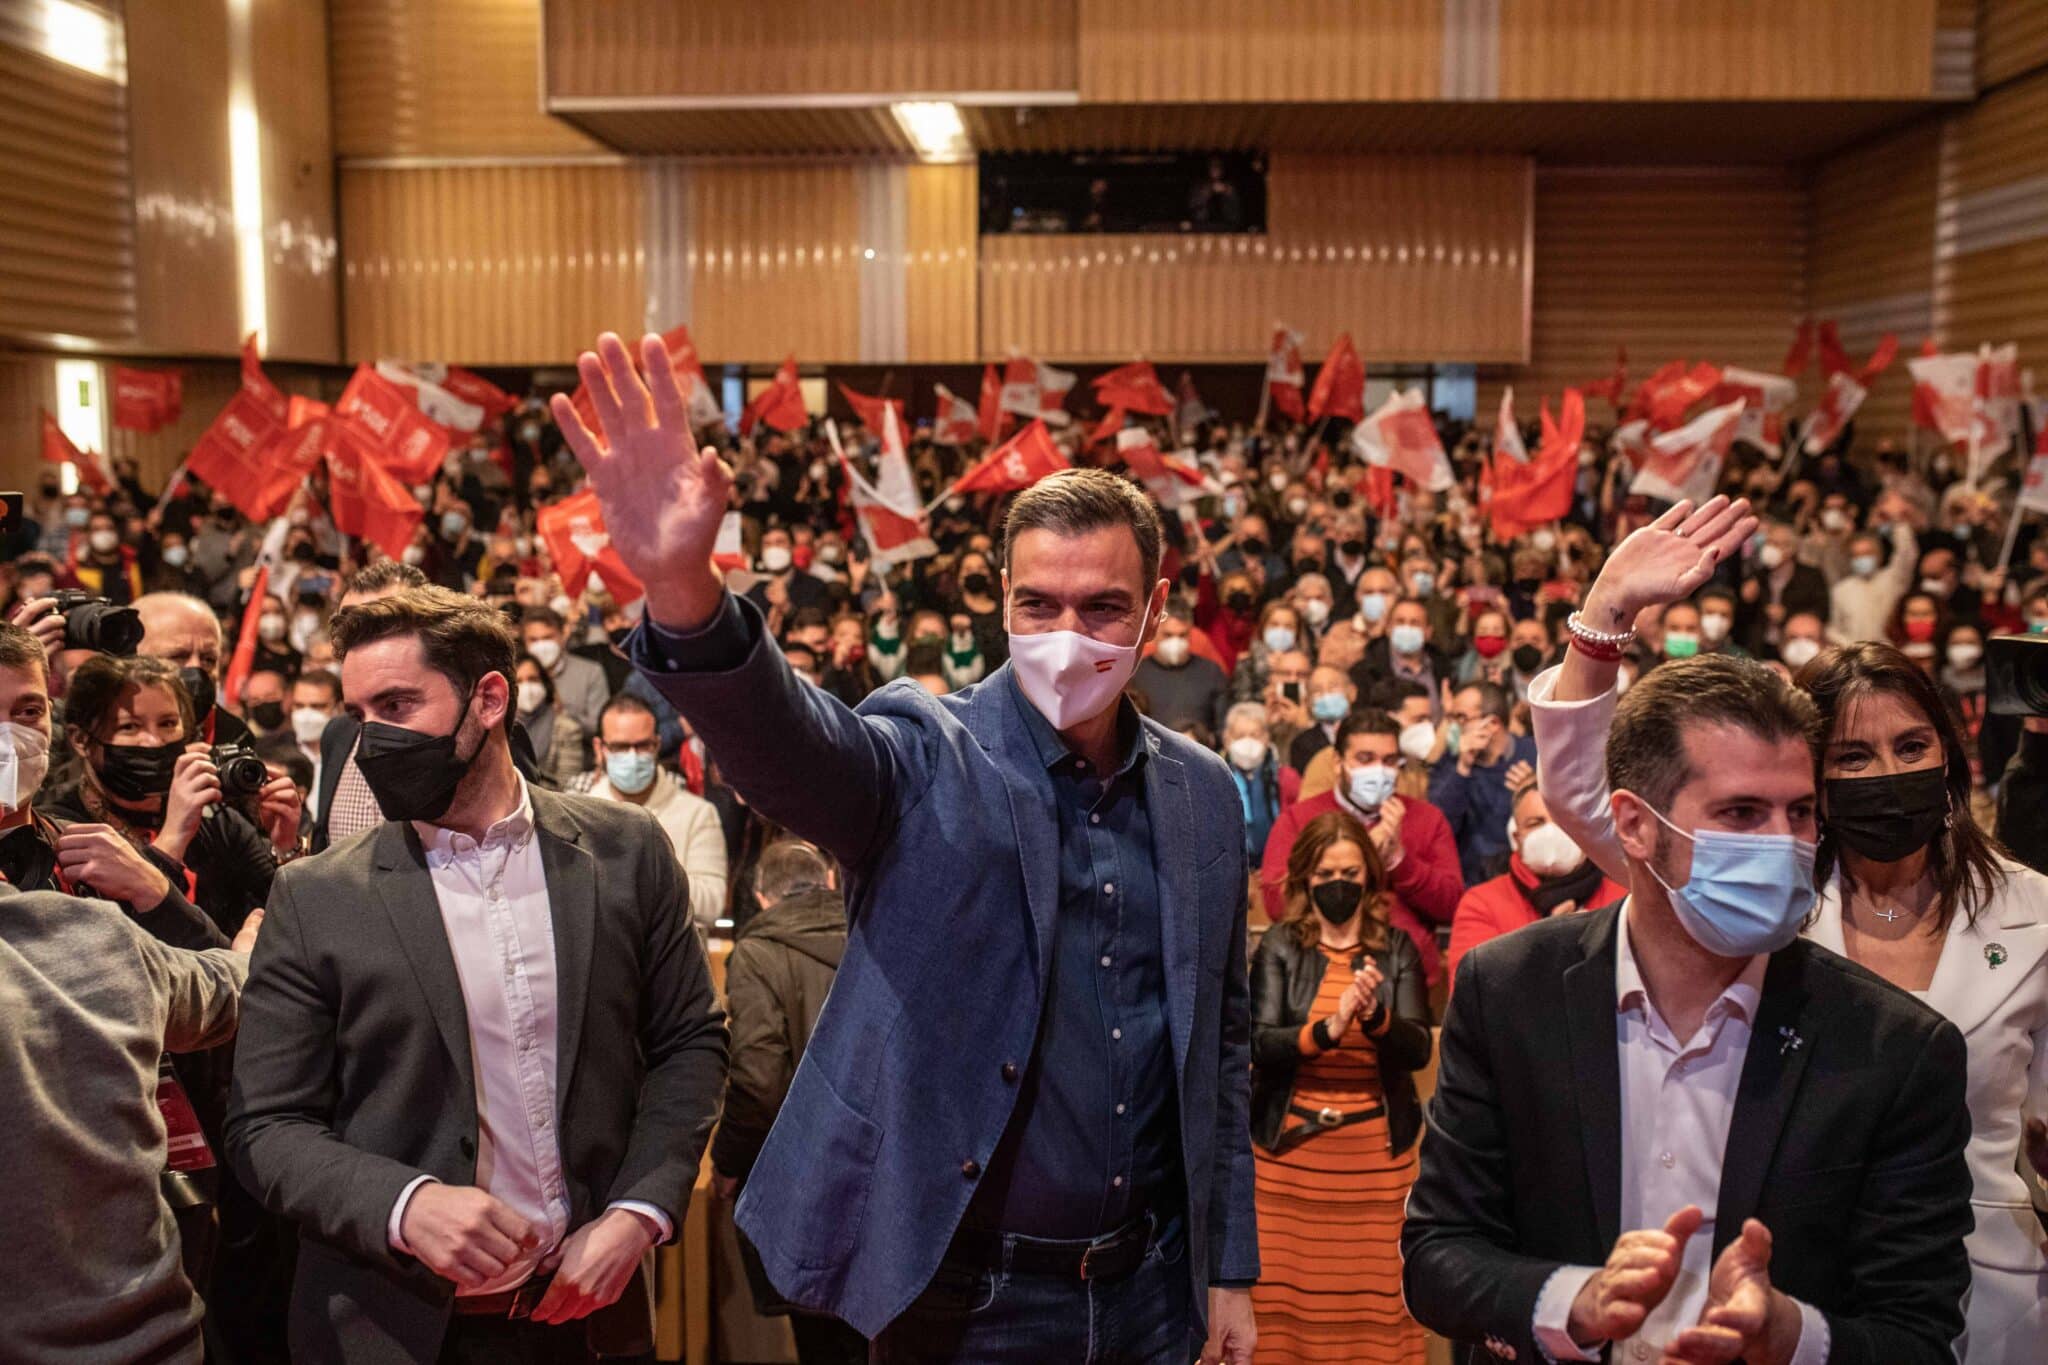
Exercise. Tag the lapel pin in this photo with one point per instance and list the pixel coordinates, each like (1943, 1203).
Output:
(1994, 953)
(1792, 1040)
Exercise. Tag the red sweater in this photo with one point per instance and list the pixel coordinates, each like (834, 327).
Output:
(1426, 882)
(1496, 907)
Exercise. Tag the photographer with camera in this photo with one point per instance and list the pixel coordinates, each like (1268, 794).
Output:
(145, 777)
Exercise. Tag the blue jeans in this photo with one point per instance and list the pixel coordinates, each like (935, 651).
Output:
(975, 1315)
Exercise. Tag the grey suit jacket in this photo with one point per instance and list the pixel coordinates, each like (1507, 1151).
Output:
(90, 1260)
(355, 1075)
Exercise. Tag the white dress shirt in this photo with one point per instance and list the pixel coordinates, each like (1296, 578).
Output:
(493, 896)
(1677, 1101)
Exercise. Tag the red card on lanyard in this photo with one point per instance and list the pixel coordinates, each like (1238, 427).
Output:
(184, 1138)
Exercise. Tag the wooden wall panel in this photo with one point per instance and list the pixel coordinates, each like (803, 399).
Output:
(1870, 259)
(2012, 38)
(1419, 258)
(291, 88)
(67, 239)
(504, 265)
(939, 276)
(1149, 51)
(807, 47)
(1716, 49)
(442, 78)
(28, 386)
(1992, 252)
(1705, 265)
(775, 262)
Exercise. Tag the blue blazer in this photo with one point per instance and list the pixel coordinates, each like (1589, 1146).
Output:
(944, 819)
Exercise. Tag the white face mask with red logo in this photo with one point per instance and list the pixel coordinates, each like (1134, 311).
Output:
(1071, 677)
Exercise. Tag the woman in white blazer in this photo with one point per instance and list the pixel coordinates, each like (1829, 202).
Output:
(1911, 889)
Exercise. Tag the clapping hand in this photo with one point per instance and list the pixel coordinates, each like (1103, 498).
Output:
(1639, 1272)
(1744, 1317)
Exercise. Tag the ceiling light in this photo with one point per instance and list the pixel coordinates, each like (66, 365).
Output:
(934, 128)
(80, 36)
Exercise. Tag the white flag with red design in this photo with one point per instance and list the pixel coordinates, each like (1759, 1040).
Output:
(1285, 374)
(1507, 436)
(890, 512)
(1631, 441)
(1764, 400)
(449, 395)
(957, 422)
(1175, 481)
(1945, 393)
(1032, 388)
(1687, 462)
(1402, 437)
(1838, 403)
(729, 551)
(1996, 412)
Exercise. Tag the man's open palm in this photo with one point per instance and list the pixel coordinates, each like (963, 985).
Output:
(663, 498)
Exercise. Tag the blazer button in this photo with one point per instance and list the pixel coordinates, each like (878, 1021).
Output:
(1010, 1072)
(468, 1147)
(970, 1168)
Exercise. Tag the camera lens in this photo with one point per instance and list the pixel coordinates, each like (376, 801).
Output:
(94, 623)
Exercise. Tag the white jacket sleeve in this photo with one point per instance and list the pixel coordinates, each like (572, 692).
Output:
(701, 850)
(1571, 769)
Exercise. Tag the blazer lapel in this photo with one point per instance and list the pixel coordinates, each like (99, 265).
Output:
(1596, 1068)
(1982, 964)
(1172, 813)
(415, 914)
(1779, 1048)
(572, 880)
(1001, 734)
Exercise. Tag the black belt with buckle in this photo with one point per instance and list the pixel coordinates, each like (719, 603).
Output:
(1108, 1257)
(518, 1302)
(1322, 1120)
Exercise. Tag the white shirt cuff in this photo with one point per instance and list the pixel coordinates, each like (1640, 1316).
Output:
(1815, 1340)
(652, 1215)
(397, 1219)
(1554, 1314)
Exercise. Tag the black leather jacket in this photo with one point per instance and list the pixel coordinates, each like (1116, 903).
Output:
(1285, 978)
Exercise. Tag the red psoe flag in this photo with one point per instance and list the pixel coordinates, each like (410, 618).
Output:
(229, 453)
(363, 496)
(146, 400)
(392, 427)
(578, 543)
(1340, 384)
(989, 411)
(869, 410)
(1996, 412)
(1032, 388)
(1764, 400)
(780, 405)
(1112, 422)
(1666, 395)
(1614, 385)
(1686, 463)
(956, 423)
(1801, 350)
(1135, 388)
(1838, 404)
(1284, 372)
(1402, 437)
(58, 449)
(448, 394)
(1017, 463)
(1174, 482)
(1527, 495)
(1834, 359)
(290, 457)
(257, 384)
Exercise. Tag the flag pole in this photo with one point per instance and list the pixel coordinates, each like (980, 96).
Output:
(2012, 534)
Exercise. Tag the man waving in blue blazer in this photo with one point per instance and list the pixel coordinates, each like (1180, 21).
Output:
(1020, 1131)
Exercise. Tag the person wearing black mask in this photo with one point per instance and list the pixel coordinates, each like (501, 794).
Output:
(1340, 1024)
(184, 632)
(978, 600)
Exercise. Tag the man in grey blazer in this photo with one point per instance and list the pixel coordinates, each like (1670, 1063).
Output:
(483, 1054)
(1020, 1131)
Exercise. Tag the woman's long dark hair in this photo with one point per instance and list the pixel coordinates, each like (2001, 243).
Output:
(1302, 919)
(1964, 857)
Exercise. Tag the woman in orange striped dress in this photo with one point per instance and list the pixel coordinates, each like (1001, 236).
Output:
(1340, 1016)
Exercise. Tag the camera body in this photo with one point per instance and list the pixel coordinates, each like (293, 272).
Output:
(92, 622)
(2016, 675)
(242, 773)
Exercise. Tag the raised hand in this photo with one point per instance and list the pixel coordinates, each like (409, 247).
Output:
(1639, 1272)
(1667, 560)
(663, 497)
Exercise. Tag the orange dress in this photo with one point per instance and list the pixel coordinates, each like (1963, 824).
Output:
(1330, 1212)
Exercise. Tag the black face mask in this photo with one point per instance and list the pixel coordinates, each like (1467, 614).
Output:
(976, 583)
(267, 715)
(1191, 575)
(1239, 601)
(1341, 499)
(1338, 901)
(1580, 884)
(1891, 817)
(1527, 658)
(412, 775)
(1353, 548)
(136, 772)
(199, 686)
(1307, 566)
(1253, 547)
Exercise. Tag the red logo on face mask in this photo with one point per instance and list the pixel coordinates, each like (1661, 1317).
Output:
(1104, 665)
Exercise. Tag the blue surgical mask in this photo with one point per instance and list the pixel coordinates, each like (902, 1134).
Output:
(629, 773)
(1863, 566)
(1370, 786)
(1330, 707)
(1454, 734)
(1748, 893)
(1424, 584)
(1373, 606)
(1406, 639)
(1279, 639)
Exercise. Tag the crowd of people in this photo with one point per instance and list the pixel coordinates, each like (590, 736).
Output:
(1244, 831)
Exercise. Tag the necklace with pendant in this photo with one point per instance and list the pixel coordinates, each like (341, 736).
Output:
(1888, 916)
